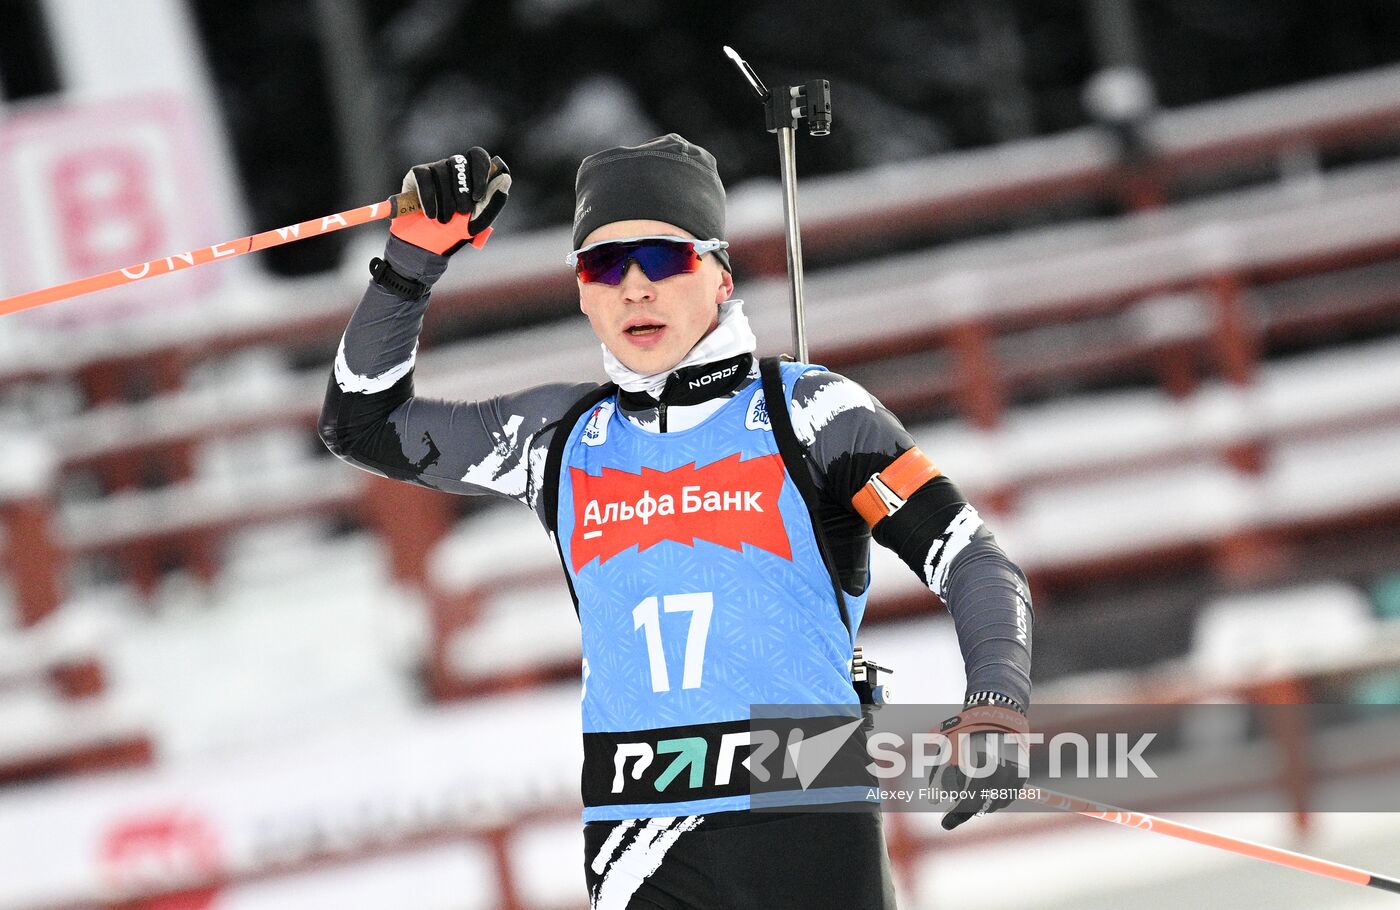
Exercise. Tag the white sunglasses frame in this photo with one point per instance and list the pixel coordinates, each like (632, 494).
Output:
(701, 247)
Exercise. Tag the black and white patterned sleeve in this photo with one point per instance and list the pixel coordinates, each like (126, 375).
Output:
(372, 419)
(937, 533)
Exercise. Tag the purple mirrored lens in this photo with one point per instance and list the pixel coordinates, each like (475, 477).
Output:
(658, 258)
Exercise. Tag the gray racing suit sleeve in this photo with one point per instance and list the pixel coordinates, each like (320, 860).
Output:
(372, 419)
(937, 533)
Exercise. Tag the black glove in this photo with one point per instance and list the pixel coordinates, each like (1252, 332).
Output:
(980, 729)
(460, 196)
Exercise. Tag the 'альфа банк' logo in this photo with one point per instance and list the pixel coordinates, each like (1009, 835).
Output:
(730, 502)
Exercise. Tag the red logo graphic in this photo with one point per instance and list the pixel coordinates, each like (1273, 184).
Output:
(165, 851)
(729, 503)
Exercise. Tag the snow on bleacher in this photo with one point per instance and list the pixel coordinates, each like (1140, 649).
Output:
(39, 722)
(298, 633)
(1269, 634)
(524, 617)
(349, 786)
(1126, 470)
(454, 876)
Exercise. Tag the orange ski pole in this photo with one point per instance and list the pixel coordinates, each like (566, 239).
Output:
(1276, 855)
(393, 207)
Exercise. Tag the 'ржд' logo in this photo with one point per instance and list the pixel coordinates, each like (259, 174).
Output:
(729, 502)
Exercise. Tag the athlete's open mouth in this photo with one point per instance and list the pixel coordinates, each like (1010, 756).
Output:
(646, 329)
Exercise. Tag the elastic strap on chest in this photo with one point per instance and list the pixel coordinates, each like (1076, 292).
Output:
(795, 459)
(553, 467)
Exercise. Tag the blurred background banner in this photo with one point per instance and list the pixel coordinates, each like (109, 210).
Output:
(91, 184)
(1129, 271)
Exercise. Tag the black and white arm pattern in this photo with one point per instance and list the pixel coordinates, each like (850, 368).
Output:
(372, 419)
(937, 533)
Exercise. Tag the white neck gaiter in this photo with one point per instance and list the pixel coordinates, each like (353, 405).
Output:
(730, 338)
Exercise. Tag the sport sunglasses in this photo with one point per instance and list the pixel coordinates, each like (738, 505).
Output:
(659, 256)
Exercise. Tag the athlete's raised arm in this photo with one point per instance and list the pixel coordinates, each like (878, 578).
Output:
(371, 417)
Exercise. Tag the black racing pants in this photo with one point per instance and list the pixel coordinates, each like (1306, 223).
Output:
(739, 861)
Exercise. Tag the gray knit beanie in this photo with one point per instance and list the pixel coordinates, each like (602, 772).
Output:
(666, 179)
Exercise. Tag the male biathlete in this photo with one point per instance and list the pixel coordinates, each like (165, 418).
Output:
(709, 573)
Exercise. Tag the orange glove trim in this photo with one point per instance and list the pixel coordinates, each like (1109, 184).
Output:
(435, 237)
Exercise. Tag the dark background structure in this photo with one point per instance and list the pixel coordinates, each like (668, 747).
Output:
(545, 82)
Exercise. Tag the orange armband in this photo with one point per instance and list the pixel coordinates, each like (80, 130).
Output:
(886, 492)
